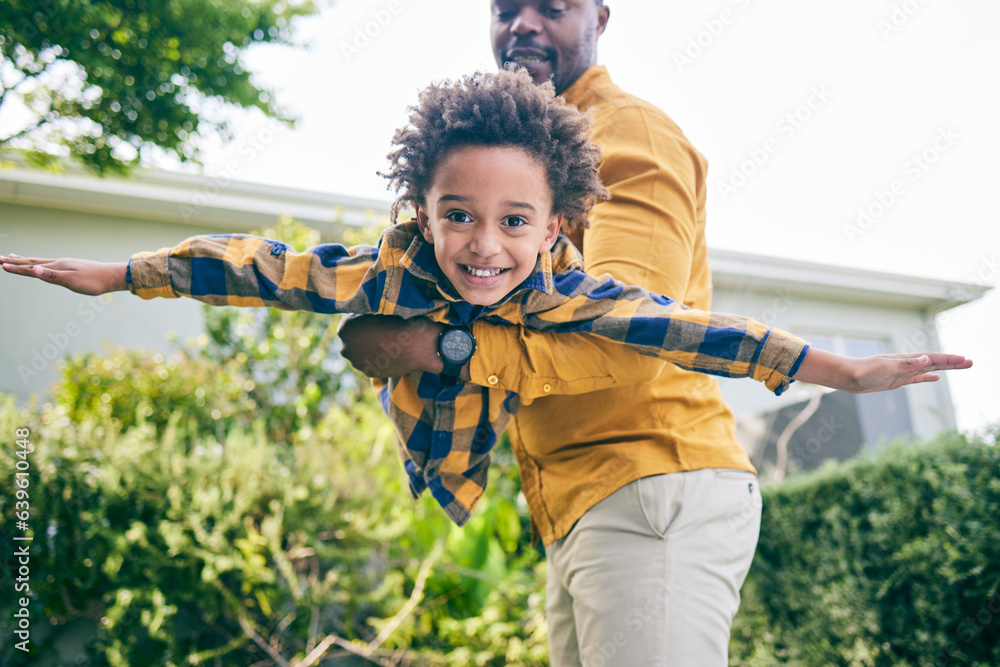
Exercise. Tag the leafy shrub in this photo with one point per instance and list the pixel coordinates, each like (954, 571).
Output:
(127, 387)
(893, 560)
(241, 502)
(185, 550)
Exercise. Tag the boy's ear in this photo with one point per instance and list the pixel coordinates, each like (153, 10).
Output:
(551, 233)
(423, 224)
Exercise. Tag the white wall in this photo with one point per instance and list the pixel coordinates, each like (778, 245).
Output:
(900, 330)
(44, 323)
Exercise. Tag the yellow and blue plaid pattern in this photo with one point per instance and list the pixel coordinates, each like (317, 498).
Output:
(446, 434)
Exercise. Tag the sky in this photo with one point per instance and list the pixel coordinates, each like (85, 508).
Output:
(859, 133)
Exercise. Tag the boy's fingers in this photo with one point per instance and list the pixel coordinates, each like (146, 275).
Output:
(17, 269)
(26, 261)
(33, 270)
(48, 275)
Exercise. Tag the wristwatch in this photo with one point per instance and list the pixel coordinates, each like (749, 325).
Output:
(456, 346)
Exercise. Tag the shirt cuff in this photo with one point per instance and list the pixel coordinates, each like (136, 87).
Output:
(778, 360)
(148, 275)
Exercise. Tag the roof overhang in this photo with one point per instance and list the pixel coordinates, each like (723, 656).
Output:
(738, 270)
(187, 199)
(239, 206)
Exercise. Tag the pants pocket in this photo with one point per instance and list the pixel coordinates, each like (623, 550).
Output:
(660, 498)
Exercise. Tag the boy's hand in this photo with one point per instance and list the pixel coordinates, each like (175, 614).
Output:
(79, 275)
(878, 373)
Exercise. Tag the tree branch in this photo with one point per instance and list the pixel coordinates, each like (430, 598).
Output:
(781, 464)
(23, 132)
(259, 641)
(411, 604)
(371, 651)
(332, 639)
(42, 119)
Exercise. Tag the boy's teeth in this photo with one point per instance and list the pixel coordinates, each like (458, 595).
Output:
(481, 273)
(528, 60)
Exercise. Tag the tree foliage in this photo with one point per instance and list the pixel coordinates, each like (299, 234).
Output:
(106, 80)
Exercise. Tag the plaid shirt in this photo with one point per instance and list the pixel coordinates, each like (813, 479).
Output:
(446, 433)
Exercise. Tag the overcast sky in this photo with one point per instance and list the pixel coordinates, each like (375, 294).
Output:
(809, 114)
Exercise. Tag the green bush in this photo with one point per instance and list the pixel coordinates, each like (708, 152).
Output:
(186, 550)
(163, 550)
(127, 387)
(241, 501)
(893, 560)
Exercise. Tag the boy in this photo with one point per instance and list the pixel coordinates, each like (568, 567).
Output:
(493, 165)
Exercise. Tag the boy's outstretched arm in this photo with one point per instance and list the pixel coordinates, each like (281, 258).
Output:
(79, 275)
(878, 373)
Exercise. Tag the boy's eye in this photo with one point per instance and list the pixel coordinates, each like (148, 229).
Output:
(458, 216)
(515, 221)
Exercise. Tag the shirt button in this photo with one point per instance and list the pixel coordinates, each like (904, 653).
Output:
(493, 380)
(547, 388)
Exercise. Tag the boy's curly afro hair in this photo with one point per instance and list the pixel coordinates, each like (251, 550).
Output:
(498, 109)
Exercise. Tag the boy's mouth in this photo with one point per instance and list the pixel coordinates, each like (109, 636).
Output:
(481, 273)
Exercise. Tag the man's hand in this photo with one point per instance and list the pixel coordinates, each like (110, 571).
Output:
(79, 275)
(878, 373)
(384, 346)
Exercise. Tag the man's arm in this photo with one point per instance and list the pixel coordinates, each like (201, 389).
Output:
(385, 346)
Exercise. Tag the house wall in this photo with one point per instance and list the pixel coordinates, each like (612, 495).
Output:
(43, 324)
(896, 329)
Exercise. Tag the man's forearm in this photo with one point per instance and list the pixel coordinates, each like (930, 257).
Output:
(384, 346)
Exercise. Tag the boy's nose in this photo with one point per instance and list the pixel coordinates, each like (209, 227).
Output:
(485, 243)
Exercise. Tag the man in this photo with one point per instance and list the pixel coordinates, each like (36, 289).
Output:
(648, 507)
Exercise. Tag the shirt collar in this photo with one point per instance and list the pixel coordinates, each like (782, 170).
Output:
(583, 88)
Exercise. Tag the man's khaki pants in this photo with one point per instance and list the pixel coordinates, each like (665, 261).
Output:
(651, 575)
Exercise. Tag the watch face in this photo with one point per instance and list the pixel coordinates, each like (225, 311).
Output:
(457, 345)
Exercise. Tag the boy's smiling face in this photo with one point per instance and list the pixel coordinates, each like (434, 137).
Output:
(488, 213)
